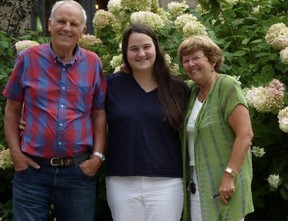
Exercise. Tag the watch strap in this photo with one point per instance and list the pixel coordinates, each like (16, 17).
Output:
(100, 155)
(231, 171)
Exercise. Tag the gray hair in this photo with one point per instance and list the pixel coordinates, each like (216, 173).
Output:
(71, 2)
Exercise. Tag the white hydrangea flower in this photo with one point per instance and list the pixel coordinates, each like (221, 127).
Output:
(232, 2)
(117, 69)
(258, 152)
(266, 99)
(277, 36)
(194, 28)
(116, 61)
(281, 41)
(182, 20)
(201, 10)
(114, 6)
(284, 55)
(174, 68)
(164, 15)
(5, 159)
(177, 8)
(167, 58)
(255, 96)
(88, 41)
(274, 180)
(21, 45)
(102, 19)
(150, 19)
(256, 9)
(283, 119)
(136, 5)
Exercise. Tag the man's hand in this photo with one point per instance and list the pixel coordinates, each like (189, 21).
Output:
(22, 162)
(90, 167)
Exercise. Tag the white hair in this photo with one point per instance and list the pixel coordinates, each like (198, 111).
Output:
(71, 2)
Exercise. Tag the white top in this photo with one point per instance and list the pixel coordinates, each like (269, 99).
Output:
(190, 130)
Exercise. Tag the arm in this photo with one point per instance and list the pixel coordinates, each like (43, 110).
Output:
(13, 112)
(99, 130)
(91, 166)
(239, 121)
(241, 125)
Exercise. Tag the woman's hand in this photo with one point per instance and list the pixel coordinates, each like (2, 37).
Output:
(22, 125)
(227, 188)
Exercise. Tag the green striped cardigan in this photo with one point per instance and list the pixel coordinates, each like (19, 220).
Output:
(214, 140)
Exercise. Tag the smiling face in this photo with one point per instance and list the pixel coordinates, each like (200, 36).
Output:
(141, 53)
(66, 27)
(197, 67)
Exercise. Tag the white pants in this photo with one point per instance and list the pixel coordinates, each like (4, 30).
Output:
(145, 198)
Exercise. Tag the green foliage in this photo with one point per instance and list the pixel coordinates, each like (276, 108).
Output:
(7, 56)
(6, 211)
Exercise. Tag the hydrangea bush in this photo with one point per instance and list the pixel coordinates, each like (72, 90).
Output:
(254, 37)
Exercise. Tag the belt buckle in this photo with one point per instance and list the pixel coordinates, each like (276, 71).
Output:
(54, 164)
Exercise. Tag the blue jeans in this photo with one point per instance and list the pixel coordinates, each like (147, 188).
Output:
(71, 192)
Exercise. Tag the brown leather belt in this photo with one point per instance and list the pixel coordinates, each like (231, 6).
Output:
(62, 162)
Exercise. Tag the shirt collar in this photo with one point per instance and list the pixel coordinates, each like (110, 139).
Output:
(76, 53)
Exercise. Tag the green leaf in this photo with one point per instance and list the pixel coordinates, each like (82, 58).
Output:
(239, 53)
(284, 192)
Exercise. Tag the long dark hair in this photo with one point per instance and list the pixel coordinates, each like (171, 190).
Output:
(172, 91)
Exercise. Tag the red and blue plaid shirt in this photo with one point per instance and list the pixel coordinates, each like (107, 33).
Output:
(58, 100)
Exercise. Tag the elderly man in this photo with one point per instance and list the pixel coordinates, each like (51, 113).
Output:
(61, 149)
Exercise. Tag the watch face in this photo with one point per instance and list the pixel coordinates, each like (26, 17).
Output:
(230, 171)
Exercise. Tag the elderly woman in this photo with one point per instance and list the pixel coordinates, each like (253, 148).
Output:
(216, 136)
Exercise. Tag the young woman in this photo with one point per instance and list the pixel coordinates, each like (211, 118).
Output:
(145, 109)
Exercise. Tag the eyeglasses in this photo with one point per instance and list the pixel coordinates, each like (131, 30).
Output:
(187, 60)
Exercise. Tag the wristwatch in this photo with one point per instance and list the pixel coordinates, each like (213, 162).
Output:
(230, 171)
(100, 155)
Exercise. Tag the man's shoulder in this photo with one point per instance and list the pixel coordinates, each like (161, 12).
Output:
(87, 53)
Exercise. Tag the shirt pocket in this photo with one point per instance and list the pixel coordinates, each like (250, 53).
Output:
(82, 97)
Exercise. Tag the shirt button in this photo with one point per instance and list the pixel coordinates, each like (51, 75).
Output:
(62, 106)
(63, 88)
(61, 124)
(60, 143)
